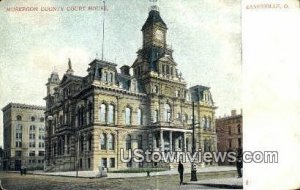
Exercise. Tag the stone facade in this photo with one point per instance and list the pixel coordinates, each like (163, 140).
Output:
(230, 132)
(24, 133)
(91, 118)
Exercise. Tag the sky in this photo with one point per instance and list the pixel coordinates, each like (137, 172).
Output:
(204, 34)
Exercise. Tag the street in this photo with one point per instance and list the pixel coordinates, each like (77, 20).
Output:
(14, 181)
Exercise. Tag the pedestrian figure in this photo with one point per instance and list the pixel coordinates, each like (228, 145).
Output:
(239, 162)
(21, 170)
(180, 170)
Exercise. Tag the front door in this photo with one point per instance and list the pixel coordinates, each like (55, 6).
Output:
(18, 165)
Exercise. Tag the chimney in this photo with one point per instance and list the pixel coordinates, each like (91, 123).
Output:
(233, 112)
(125, 70)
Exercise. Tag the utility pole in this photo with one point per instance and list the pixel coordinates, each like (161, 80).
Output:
(193, 166)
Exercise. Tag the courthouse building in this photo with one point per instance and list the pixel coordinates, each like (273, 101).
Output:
(89, 119)
(23, 135)
(230, 132)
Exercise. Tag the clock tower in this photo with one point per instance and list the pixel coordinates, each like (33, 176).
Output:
(154, 30)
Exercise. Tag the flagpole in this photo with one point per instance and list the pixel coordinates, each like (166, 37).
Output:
(103, 21)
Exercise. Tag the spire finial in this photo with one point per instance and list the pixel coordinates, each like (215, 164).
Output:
(70, 70)
(70, 64)
(154, 5)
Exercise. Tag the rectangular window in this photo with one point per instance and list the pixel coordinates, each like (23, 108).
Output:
(41, 153)
(32, 153)
(140, 142)
(89, 163)
(104, 162)
(230, 143)
(112, 162)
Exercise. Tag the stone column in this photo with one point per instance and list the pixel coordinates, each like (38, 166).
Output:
(154, 141)
(171, 143)
(161, 140)
(66, 145)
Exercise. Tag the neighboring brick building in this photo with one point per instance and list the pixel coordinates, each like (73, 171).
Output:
(230, 132)
(90, 118)
(23, 134)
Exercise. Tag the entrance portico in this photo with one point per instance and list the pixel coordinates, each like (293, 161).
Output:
(170, 139)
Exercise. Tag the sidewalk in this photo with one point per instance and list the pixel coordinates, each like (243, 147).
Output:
(93, 174)
(229, 183)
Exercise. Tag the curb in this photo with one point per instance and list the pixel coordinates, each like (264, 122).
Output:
(221, 186)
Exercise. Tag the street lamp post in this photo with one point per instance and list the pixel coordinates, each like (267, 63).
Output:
(193, 166)
(48, 148)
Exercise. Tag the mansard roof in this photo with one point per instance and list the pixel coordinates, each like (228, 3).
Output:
(103, 63)
(154, 18)
(68, 77)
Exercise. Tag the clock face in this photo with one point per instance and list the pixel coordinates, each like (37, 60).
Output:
(159, 35)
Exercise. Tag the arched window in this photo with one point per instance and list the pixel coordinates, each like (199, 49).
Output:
(167, 113)
(90, 142)
(239, 129)
(89, 113)
(105, 76)
(155, 116)
(32, 118)
(19, 127)
(139, 117)
(128, 142)
(111, 111)
(205, 123)
(110, 77)
(127, 116)
(208, 123)
(103, 140)
(110, 141)
(81, 144)
(184, 117)
(178, 116)
(19, 118)
(102, 113)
